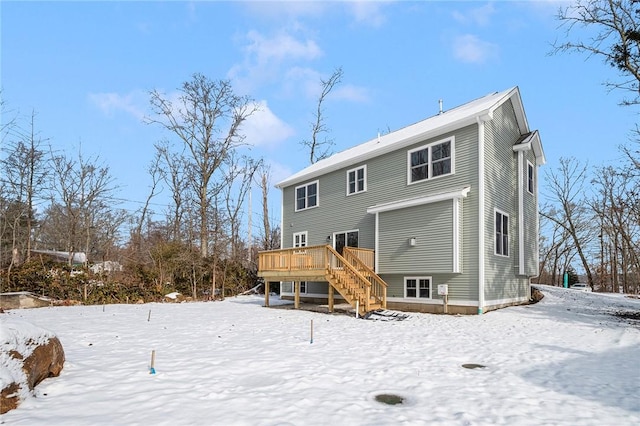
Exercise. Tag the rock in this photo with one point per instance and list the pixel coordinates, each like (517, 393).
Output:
(174, 297)
(28, 355)
(536, 295)
(45, 361)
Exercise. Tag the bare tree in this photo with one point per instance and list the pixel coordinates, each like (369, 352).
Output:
(616, 206)
(206, 119)
(238, 184)
(569, 211)
(82, 190)
(320, 148)
(25, 169)
(616, 25)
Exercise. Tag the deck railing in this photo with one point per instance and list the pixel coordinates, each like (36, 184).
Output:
(294, 259)
(324, 262)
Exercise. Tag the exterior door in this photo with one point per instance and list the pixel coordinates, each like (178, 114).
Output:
(342, 239)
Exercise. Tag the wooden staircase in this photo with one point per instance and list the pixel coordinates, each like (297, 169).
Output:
(350, 274)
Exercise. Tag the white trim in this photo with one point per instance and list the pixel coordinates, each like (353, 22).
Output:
(281, 218)
(306, 239)
(355, 169)
(432, 301)
(418, 201)
(481, 216)
(333, 236)
(306, 196)
(522, 173)
(456, 235)
(428, 147)
(532, 142)
(495, 248)
(439, 125)
(533, 178)
(377, 243)
(417, 279)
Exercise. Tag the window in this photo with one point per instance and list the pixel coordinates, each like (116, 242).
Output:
(300, 239)
(530, 178)
(307, 196)
(502, 234)
(417, 287)
(430, 161)
(357, 180)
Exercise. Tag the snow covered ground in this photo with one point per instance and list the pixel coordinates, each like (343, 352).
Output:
(563, 361)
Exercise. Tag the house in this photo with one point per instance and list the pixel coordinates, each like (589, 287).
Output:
(439, 216)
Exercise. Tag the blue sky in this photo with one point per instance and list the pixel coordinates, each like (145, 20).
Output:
(86, 69)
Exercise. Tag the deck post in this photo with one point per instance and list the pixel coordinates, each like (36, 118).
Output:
(330, 298)
(296, 299)
(266, 293)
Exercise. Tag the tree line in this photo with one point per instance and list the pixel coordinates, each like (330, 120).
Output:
(592, 218)
(69, 202)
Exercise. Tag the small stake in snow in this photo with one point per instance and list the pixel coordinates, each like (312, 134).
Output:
(149, 317)
(311, 332)
(102, 308)
(152, 369)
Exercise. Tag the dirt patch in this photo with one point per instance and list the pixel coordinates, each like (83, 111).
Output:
(630, 315)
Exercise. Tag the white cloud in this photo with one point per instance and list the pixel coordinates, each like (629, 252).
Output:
(263, 128)
(280, 10)
(369, 12)
(469, 48)
(131, 103)
(350, 92)
(268, 58)
(479, 15)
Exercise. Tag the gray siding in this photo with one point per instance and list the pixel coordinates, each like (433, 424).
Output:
(387, 182)
(531, 219)
(432, 227)
(501, 281)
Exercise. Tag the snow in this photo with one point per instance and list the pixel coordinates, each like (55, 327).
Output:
(562, 361)
(22, 337)
(462, 115)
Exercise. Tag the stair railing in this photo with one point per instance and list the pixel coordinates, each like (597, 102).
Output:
(362, 282)
(355, 256)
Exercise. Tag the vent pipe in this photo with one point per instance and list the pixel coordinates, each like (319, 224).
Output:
(440, 106)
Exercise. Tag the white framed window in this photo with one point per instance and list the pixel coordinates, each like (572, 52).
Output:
(531, 179)
(430, 161)
(307, 196)
(501, 233)
(357, 180)
(417, 287)
(300, 239)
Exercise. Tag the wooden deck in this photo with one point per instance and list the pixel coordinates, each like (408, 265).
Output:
(351, 274)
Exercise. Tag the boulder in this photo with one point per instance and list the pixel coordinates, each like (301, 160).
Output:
(28, 355)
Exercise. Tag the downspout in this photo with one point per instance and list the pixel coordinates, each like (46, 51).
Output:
(481, 215)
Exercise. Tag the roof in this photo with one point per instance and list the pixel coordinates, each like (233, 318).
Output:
(464, 115)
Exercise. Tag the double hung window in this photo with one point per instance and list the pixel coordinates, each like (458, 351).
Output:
(417, 287)
(430, 161)
(307, 196)
(502, 234)
(530, 178)
(357, 180)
